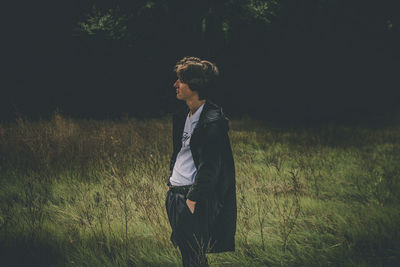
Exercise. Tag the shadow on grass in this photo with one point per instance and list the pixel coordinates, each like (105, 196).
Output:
(49, 249)
(25, 251)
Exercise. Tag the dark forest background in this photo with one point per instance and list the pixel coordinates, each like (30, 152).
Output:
(280, 60)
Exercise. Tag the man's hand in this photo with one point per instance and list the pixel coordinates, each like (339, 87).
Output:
(191, 205)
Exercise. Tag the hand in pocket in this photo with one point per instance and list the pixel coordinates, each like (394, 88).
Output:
(191, 205)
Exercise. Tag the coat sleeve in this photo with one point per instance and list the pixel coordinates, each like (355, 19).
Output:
(210, 161)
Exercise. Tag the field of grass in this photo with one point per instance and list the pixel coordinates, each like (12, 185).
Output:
(92, 193)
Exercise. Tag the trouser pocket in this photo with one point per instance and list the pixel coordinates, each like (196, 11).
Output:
(181, 219)
(183, 222)
(183, 211)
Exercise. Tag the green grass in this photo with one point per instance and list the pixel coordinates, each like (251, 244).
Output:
(92, 193)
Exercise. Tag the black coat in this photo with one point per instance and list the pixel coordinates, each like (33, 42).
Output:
(214, 188)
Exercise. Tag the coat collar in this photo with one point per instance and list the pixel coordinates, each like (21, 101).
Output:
(211, 112)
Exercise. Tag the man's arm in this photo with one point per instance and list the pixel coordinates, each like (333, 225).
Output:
(210, 159)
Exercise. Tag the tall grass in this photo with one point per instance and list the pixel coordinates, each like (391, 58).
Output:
(92, 193)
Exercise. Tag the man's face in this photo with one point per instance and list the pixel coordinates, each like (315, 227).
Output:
(183, 91)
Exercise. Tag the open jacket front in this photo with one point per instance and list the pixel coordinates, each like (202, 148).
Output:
(214, 188)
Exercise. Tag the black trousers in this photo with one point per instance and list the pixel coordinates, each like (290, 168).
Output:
(185, 228)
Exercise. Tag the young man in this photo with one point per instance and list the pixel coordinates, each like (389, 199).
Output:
(201, 200)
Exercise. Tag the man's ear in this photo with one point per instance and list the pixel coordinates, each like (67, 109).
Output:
(197, 94)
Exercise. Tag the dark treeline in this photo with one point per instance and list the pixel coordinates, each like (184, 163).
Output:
(305, 60)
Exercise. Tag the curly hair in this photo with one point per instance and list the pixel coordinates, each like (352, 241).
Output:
(199, 74)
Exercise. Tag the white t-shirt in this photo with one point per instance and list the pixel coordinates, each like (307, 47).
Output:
(184, 170)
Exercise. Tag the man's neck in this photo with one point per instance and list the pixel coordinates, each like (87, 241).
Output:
(194, 105)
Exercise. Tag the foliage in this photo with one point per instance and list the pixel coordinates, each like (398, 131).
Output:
(110, 25)
(262, 10)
